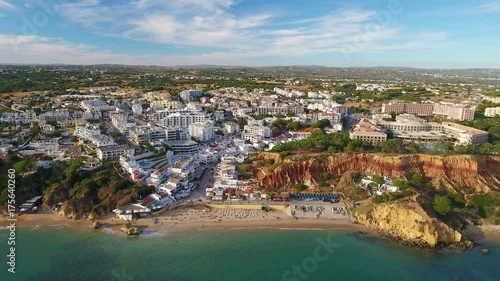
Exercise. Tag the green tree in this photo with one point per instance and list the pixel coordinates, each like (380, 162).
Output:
(378, 180)
(296, 125)
(413, 147)
(442, 205)
(116, 135)
(300, 187)
(417, 179)
(35, 129)
(322, 124)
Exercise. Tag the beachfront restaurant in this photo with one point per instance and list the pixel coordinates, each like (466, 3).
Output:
(130, 211)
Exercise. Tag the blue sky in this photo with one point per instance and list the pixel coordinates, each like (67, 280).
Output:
(426, 34)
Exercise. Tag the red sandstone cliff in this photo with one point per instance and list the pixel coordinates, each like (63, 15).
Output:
(477, 172)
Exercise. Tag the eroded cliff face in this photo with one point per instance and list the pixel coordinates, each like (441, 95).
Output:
(407, 222)
(476, 172)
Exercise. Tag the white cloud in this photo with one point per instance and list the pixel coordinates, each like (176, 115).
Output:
(214, 24)
(488, 7)
(4, 4)
(233, 38)
(43, 50)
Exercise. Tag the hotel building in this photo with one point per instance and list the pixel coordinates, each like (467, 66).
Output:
(367, 131)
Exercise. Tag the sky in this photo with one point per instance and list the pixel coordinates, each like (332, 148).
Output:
(340, 33)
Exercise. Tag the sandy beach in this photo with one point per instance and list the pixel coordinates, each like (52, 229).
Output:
(191, 219)
(185, 220)
(483, 232)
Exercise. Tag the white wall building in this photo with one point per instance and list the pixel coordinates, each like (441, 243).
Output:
(87, 131)
(202, 131)
(231, 127)
(255, 132)
(146, 134)
(190, 95)
(18, 117)
(183, 120)
(113, 152)
(492, 111)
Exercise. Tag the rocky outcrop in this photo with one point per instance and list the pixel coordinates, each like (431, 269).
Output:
(407, 222)
(474, 172)
(129, 229)
(96, 225)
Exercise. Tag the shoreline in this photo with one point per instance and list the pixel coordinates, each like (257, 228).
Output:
(174, 224)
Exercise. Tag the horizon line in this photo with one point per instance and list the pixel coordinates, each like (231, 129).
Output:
(244, 66)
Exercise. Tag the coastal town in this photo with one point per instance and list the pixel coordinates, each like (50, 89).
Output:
(249, 140)
(194, 148)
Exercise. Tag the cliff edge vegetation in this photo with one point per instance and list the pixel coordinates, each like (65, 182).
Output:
(78, 193)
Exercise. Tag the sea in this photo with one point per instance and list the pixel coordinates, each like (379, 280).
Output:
(50, 254)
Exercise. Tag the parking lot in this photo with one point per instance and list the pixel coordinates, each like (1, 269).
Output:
(318, 209)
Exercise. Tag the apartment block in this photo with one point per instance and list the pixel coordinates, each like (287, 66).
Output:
(333, 117)
(202, 131)
(183, 147)
(183, 120)
(190, 95)
(18, 117)
(146, 134)
(87, 131)
(113, 152)
(449, 110)
(454, 111)
(95, 105)
(421, 109)
(231, 127)
(255, 133)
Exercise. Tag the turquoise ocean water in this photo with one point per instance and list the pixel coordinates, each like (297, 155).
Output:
(219, 255)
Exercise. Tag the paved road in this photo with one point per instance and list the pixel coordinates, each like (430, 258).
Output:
(199, 192)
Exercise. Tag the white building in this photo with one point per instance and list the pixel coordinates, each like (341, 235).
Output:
(18, 117)
(333, 117)
(202, 131)
(231, 127)
(168, 104)
(207, 156)
(54, 116)
(87, 131)
(95, 105)
(190, 95)
(255, 132)
(183, 120)
(146, 134)
(465, 135)
(492, 111)
(454, 111)
(113, 152)
(101, 140)
(183, 147)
